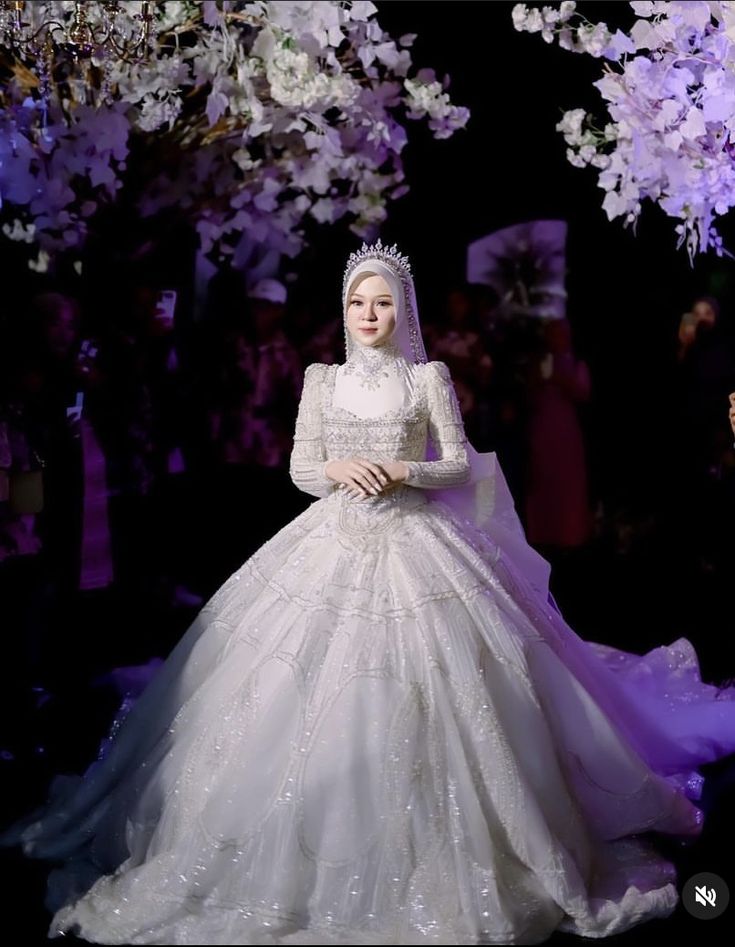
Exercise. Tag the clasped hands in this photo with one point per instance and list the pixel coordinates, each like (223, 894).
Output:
(360, 478)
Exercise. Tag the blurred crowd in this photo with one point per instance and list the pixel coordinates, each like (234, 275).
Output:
(144, 457)
(705, 461)
(126, 448)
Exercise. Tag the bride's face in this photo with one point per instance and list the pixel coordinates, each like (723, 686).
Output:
(371, 312)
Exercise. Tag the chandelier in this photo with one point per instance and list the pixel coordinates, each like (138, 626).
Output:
(48, 43)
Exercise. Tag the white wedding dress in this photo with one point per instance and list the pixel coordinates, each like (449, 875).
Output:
(379, 731)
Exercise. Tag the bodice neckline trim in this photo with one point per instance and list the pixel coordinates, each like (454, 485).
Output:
(413, 412)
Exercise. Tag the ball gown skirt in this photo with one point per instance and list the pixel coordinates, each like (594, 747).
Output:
(384, 737)
(377, 731)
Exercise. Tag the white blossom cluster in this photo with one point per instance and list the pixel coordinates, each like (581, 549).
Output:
(671, 103)
(258, 115)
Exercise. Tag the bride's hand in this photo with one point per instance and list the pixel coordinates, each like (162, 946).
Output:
(361, 477)
(397, 471)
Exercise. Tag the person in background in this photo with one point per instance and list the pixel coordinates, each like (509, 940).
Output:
(558, 515)
(460, 347)
(47, 384)
(278, 375)
(464, 349)
(324, 344)
(231, 446)
(156, 513)
(706, 376)
(700, 320)
(58, 494)
(277, 384)
(253, 395)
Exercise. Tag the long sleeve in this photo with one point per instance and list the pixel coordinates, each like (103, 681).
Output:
(308, 457)
(447, 434)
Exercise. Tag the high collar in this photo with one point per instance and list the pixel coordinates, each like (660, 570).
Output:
(374, 357)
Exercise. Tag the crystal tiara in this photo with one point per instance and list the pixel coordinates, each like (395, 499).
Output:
(388, 255)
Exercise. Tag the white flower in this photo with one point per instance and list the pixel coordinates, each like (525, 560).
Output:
(574, 159)
(170, 14)
(671, 111)
(40, 264)
(643, 9)
(566, 39)
(620, 44)
(325, 210)
(587, 153)
(20, 231)
(297, 111)
(614, 205)
(156, 112)
(520, 15)
(593, 39)
(534, 21)
(571, 125)
(430, 99)
(693, 126)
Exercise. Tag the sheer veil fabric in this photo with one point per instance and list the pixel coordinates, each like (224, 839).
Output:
(379, 729)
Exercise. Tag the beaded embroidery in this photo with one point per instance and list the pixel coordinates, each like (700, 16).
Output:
(370, 364)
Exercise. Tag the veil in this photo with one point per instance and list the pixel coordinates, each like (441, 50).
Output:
(485, 501)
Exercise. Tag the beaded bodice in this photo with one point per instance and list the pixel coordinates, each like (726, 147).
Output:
(396, 434)
(327, 431)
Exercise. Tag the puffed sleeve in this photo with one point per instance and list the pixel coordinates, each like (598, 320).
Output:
(447, 434)
(308, 457)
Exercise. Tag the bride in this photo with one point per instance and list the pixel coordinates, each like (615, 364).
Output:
(380, 730)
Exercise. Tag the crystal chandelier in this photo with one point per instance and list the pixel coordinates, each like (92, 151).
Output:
(49, 43)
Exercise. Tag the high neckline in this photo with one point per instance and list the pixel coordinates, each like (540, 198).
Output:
(372, 358)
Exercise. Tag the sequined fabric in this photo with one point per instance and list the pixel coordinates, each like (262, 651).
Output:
(325, 431)
(377, 732)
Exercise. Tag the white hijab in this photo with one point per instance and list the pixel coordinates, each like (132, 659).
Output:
(393, 386)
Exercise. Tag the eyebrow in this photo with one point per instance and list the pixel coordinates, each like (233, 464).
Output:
(380, 296)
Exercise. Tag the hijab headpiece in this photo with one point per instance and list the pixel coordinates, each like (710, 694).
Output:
(396, 271)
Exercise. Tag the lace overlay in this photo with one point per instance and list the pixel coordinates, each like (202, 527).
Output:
(375, 733)
(327, 432)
